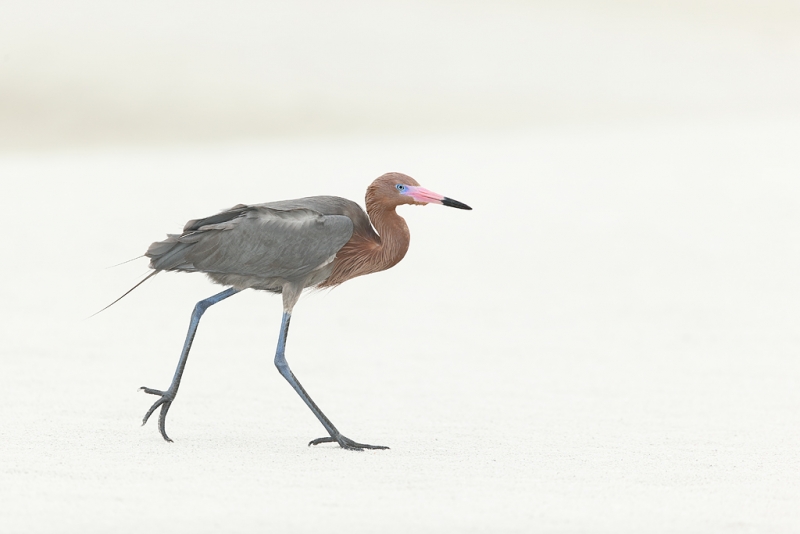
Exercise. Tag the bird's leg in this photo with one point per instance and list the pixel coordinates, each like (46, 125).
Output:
(283, 368)
(169, 395)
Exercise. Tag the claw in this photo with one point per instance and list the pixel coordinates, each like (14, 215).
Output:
(164, 402)
(345, 443)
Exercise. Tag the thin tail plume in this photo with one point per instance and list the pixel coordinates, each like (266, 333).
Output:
(145, 279)
(124, 262)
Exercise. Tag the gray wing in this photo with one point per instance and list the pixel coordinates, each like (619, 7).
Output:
(264, 241)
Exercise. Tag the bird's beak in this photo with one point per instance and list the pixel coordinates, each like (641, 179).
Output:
(420, 194)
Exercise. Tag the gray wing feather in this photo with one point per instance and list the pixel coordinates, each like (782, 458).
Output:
(237, 211)
(262, 241)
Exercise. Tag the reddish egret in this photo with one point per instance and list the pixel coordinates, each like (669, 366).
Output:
(285, 247)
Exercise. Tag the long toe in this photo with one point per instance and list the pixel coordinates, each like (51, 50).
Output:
(164, 402)
(326, 439)
(361, 446)
(162, 420)
(152, 391)
(345, 443)
(152, 409)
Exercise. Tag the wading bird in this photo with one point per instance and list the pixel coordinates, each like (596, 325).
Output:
(285, 247)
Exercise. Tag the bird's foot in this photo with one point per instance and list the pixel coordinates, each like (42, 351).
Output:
(164, 402)
(345, 443)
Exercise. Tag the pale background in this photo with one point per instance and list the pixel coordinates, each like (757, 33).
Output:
(607, 343)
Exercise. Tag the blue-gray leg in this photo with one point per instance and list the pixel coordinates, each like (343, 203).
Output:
(169, 395)
(283, 368)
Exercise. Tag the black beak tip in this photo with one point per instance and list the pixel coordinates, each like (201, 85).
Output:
(454, 204)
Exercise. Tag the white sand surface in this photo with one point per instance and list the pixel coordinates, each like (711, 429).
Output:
(608, 342)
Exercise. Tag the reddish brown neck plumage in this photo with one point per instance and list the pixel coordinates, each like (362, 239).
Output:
(393, 231)
(367, 251)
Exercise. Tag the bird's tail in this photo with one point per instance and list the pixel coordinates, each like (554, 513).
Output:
(145, 279)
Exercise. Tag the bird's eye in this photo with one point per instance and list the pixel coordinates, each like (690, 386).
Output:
(400, 187)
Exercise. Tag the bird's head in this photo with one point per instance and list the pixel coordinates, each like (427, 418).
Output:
(393, 189)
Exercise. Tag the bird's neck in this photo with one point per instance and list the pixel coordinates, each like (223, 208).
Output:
(369, 252)
(394, 237)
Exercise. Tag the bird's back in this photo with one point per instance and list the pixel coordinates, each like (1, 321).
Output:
(263, 246)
